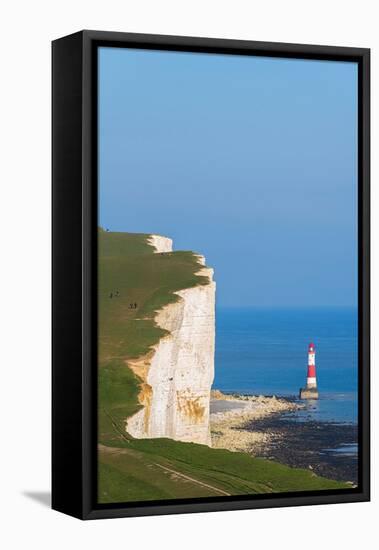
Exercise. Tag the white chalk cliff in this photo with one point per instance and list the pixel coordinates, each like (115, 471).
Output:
(177, 375)
(161, 244)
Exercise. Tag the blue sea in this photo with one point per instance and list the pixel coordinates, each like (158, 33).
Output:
(263, 351)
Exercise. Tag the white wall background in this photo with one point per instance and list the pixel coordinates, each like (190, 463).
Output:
(26, 31)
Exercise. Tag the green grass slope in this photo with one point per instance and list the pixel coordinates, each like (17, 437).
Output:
(134, 283)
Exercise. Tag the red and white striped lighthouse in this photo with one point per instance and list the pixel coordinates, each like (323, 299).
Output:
(310, 391)
(311, 376)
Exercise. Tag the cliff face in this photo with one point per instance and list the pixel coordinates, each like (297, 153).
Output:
(177, 375)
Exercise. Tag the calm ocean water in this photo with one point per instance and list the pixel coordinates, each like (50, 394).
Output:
(264, 351)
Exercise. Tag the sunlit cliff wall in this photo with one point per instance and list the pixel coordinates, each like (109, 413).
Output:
(177, 375)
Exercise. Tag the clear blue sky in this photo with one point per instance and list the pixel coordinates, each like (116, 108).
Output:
(250, 161)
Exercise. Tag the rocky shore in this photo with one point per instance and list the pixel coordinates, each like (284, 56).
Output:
(267, 427)
(231, 413)
(327, 448)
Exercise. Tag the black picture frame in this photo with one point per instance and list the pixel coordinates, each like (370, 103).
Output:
(74, 203)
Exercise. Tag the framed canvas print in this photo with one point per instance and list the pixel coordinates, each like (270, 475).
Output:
(210, 274)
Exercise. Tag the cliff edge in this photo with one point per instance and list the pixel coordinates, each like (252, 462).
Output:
(178, 373)
(156, 339)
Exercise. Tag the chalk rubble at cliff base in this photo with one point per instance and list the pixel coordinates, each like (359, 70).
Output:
(227, 427)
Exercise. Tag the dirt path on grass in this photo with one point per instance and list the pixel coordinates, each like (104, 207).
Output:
(193, 480)
(118, 450)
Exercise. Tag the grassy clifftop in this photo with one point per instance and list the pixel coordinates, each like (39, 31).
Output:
(134, 282)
